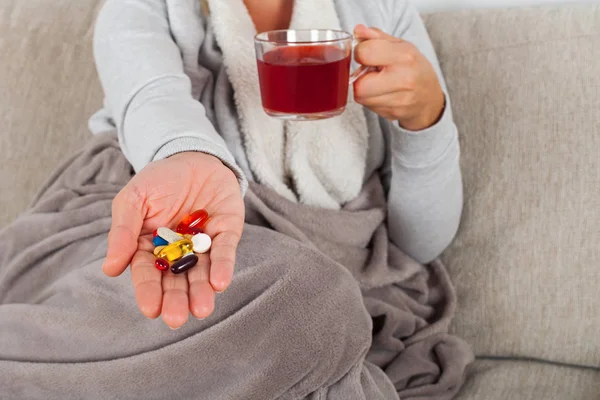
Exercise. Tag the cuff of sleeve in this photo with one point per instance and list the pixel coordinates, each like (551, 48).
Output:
(187, 143)
(425, 147)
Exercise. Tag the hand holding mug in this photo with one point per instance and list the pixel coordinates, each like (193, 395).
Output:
(304, 74)
(405, 87)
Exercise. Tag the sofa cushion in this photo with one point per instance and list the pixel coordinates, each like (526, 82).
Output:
(527, 380)
(525, 86)
(49, 89)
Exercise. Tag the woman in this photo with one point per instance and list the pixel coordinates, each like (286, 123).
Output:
(329, 299)
(168, 93)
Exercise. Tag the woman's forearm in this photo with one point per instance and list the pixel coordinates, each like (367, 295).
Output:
(423, 174)
(148, 94)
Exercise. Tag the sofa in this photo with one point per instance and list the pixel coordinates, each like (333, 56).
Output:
(525, 90)
(428, 6)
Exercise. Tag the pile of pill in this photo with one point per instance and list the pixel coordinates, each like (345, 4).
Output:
(175, 249)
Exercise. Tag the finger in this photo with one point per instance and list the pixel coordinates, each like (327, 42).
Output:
(388, 113)
(372, 85)
(222, 259)
(175, 305)
(126, 225)
(147, 283)
(383, 83)
(383, 52)
(374, 93)
(201, 293)
(392, 106)
(362, 32)
(225, 231)
(390, 100)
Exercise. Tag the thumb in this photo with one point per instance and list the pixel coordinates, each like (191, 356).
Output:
(127, 220)
(365, 33)
(362, 32)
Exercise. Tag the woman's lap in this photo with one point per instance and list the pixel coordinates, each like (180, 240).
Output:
(292, 323)
(274, 328)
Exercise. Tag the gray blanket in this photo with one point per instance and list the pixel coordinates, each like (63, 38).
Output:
(322, 306)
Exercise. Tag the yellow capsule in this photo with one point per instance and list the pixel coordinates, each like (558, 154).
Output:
(158, 249)
(175, 251)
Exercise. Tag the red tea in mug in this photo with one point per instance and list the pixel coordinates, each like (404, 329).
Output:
(304, 79)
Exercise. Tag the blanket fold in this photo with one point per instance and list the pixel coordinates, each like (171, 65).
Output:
(322, 306)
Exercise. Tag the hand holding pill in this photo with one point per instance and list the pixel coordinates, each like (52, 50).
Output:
(162, 195)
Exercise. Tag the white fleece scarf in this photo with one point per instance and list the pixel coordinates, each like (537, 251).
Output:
(318, 163)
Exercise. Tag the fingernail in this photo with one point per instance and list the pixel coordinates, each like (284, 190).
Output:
(173, 329)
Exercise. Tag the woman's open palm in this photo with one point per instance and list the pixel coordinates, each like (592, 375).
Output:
(160, 195)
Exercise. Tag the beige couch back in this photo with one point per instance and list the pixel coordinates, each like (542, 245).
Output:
(526, 91)
(48, 89)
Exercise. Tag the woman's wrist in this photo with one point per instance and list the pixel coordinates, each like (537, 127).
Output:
(430, 115)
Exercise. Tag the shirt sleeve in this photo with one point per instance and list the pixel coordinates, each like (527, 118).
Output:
(147, 93)
(422, 172)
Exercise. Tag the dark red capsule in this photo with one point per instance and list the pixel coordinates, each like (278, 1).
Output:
(161, 264)
(185, 263)
(155, 233)
(193, 223)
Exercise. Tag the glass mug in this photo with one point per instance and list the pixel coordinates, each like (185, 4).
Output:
(305, 74)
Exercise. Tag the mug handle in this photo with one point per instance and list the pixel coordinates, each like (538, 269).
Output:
(362, 70)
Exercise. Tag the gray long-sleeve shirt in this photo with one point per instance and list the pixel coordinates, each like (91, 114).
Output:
(166, 91)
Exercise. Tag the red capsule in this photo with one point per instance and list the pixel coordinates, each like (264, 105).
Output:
(192, 224)
(155, 233)
(161, 264)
